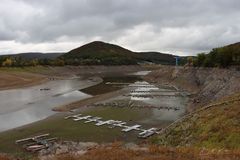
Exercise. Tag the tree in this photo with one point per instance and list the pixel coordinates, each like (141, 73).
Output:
(199, 60)
(189, 61)
(7, 63)
(59, 62)
(33, 62)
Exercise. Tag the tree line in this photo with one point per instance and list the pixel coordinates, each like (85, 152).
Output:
(10, 61)
(218, 57)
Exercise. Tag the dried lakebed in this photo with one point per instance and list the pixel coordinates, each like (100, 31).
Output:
(164, 110)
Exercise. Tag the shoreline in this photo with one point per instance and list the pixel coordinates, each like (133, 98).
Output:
(88, 101)
(19, 110)
(17, 77)
(19, 80)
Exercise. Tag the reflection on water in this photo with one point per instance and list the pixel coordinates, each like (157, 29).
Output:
(23, 106)
(159, 110)
(158, 115)
(141, 73)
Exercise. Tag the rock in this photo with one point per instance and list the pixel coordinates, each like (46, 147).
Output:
(61, 150)
(81, 152)
(86, 145)
(131, 145)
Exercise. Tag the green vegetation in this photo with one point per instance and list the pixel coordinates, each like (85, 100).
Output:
(157, 58)
(215, 127)
(219, 57)
(12, 61)
(100, 53)
(96, 53)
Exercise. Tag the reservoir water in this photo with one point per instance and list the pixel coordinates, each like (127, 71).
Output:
(26, 105)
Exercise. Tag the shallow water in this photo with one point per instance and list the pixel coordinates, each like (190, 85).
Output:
(150, 117)
(23, 106)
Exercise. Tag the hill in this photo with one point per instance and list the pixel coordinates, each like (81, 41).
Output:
(100, 53)
(109, 54)
(157, 57)
(35, 55)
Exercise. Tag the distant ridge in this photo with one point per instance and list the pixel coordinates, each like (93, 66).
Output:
(35, 55)
(100, 53)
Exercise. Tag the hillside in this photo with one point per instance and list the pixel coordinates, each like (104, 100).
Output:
(109, 54)
(213, 126)
(100, 53)
(94, 53)
(205, 84)
(158, 58)
(220, 57)
(214, 104)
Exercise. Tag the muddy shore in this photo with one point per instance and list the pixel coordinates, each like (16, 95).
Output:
(12, 78)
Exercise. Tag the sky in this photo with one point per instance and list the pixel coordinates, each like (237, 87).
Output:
(184, 27)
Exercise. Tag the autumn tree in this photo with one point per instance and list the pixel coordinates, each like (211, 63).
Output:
(7, 63)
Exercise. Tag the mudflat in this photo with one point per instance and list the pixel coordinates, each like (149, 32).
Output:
(10, 80)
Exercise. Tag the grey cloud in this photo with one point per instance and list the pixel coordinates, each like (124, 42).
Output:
(176, 25)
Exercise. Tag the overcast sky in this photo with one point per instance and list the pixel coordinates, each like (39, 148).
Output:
(183, 27)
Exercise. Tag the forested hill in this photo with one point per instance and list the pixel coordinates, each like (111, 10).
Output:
(109, 54)
(94, 53)
(100, 53)
(220, 57)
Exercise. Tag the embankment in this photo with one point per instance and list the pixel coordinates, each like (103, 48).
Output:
(205, 84)
(213, 126)
(215, 121)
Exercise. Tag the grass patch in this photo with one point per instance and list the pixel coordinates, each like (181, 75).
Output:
(216, 127)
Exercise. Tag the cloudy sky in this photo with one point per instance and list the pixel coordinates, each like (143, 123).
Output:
(183, 27)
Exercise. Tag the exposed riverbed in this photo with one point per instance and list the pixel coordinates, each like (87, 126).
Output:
(131, 100)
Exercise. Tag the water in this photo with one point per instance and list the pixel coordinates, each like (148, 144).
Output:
(141, 73)
(158, 115)
(138, 97)
(23, 106)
